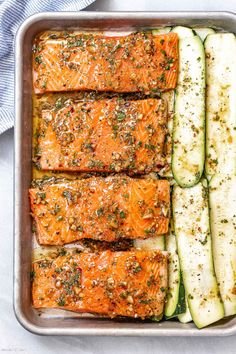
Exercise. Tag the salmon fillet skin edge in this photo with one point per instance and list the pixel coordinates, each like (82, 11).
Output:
(105, 209)
(107, 135)
(131, 284)
(139, 62)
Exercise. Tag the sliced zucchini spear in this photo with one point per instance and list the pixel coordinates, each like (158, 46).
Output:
(223, 227)
(161, 30)
(221, 104)
(188, 152)
(203, 32)
(186, 316)
(175, 299)
(192, 230)
(183, 32)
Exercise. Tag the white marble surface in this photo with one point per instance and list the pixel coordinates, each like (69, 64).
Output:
(15, 339)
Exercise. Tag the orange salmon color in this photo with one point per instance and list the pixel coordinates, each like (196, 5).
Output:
(105, 209)
(109, 283)
(139, 62)
(108, 135)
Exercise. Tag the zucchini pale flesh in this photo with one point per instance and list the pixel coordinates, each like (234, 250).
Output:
(192, 230)
(189, 119)
(221, 104)
(175, 300)
(161, 30)
(223, 227)
(186, 316)
(203, 32)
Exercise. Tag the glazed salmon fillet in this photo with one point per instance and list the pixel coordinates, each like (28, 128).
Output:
(105, 135)
(140, 62)
(105, 209)
(129, 283)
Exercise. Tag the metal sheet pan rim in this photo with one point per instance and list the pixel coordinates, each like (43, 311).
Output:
(127, 330)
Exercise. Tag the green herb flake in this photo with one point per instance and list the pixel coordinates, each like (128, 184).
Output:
(41, 195)
(120, 116)
(38, 59)
(67, 194)
(122, 214)
(61, 301)
(100, 212)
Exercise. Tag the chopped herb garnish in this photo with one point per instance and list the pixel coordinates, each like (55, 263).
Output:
(61, 301)
(122, 214)
(39, 59)
(41, 195)
(58, 104)
(62, 252)
(58, 270)
(150, 147)
(120, 116)
(56, 209)
(67, 194)
(100, 212)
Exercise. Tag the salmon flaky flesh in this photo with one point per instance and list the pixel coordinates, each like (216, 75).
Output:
(131, 284)
(110, 135)
(139, 62)
(105, 209)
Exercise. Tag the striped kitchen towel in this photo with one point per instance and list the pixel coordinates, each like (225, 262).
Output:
(12, 14)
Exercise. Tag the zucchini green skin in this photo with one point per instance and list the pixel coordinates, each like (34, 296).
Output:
(175, 298)
(222, 197)
(203, 32)
(188, 144)
(192, 230)
(186, 316)
(181, 306)
(220, 104)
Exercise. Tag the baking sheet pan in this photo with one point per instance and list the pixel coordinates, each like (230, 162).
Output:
(55, 322)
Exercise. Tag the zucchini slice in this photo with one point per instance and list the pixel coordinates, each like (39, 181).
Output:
(220, 104)
(183, 32)
(223, 226)
(186, 316)
(188, 144)
(192, 230)
(203, 32)
(175, 298)
(161, 30)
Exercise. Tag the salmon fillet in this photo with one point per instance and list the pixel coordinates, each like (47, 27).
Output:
(129, 284)
(105, 209)
(140, 62)
(104, 136)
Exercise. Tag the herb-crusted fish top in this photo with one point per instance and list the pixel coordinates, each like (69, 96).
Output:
(140, 62)
(129, 284)
(105, 209)
(108, 135)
